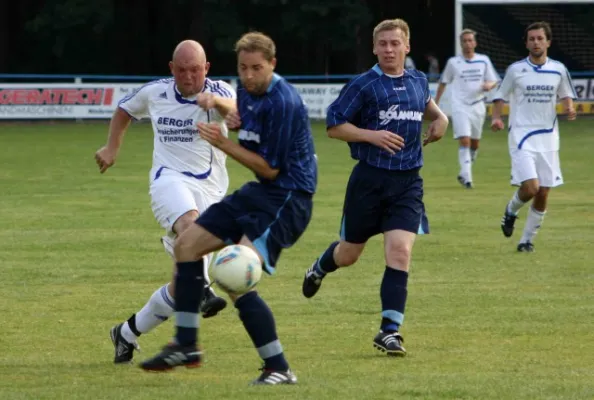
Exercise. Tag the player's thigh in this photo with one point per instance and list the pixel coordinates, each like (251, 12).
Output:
(476, 124)
(461, 125)
(361, 214)
(523, 166)
(275, 223)
(404, 208)
(170, 198)
(196, 242)
(548, 169)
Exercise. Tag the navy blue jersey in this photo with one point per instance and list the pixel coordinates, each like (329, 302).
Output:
(275, 125)
(376, 101)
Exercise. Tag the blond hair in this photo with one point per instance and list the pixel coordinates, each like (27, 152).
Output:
(256, 41)
(391, 24)
(467, 32)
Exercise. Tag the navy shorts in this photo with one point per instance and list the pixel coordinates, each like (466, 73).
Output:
(272, 218)
(378, 200)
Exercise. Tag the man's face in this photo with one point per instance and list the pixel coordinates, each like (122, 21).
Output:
(537, 42)
(391, 48)
(190, 74)
(468, 42)
(255, 71)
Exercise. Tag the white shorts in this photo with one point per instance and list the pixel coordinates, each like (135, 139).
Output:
(544, 166)
(469, 122)
(173, 194)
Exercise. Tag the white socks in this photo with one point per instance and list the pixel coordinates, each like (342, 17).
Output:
(533, 222)
(156, 311)
(465, 164)
(515, 204)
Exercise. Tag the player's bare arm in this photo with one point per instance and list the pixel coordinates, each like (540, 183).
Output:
(440, 89)
(489, 85)
(496, 121)
(223, 105)
(106, 156)
(568, 108)
(439, 123)
(212, 134)
(233, 120)
(347, 132)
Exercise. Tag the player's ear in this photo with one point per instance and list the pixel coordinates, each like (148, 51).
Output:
(206, 67)
(171, 67)
(273, 63)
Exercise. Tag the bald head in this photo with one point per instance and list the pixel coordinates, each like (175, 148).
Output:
(189, 49)
(189, 67)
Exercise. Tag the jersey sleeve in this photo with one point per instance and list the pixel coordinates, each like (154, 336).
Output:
(223, 89)
(136, 104)
(505, 88)
(275, 139)
(347, 105)
(447, 75)
(566, 88)
(490, 74)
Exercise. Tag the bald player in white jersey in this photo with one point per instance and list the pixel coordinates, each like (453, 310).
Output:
(470, 76)
(187, 176)
(532, 87)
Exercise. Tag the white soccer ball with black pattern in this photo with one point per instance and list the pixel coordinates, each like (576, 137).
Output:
(236, 269)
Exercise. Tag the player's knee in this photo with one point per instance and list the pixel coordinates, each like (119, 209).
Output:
(531, 188)
(398, 254)
(185, 221)
(184, 249)
(346, 255)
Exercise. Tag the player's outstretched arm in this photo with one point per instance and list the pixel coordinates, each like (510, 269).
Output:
(213, 135)
(496, 121)
(106, 156)
(440, 89)
(223, 105)
(568, 108)
(439, 123)
(386, 140)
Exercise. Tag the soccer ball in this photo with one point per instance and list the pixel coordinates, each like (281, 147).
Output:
(236, 269)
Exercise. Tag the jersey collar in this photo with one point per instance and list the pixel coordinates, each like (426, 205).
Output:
(273, 82)
(534, 65)
(183, 100)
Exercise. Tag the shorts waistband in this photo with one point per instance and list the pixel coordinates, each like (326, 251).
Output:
(392, 172)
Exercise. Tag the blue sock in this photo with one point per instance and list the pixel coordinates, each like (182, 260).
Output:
(189, 289)
(326, 263)
(393, 293)
(259, 324)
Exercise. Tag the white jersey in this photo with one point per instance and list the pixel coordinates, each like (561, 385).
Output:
(532, 91)
(466, 77)
(177, 143)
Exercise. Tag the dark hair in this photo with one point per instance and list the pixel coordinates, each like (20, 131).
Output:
(539, 25)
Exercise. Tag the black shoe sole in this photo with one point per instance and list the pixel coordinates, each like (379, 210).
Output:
(390, 353)
(112, 335)
(212, 307)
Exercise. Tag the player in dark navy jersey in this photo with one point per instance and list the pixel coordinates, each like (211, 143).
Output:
(269, 214)
(379, 114)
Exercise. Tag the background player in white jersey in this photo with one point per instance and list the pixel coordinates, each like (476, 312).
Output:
(532, 87)
(470, 75)
(187, 176)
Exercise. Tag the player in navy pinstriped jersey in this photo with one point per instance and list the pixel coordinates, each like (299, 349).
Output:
(268, 215)
(379, 114)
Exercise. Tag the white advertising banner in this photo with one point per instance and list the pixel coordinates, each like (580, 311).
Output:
(99, 100)
(64, 100)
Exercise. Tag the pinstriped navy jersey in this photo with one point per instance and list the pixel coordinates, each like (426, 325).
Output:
(376, 101)
(276, 126)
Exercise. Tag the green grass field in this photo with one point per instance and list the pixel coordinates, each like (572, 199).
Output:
(80, 252)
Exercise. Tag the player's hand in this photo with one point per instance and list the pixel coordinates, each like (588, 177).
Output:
(436, 131)
(211, 132)
(497, 124)
(206, 101)
(487, 86)
(571, 113)
(233, 120)
(389, 141)
(105, 158)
